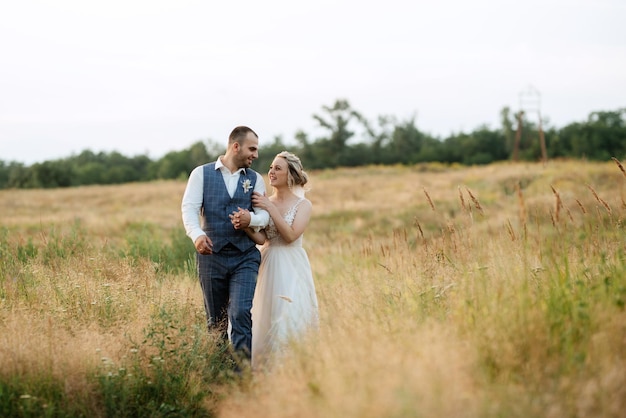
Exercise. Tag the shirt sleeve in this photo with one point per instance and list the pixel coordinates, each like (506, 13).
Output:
(192, 202)
(259, 218)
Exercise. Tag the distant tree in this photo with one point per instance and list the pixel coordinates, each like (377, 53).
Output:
(600, 137)
(452, 149)
(174, 164)
(484, 146)
(120, 169)
(606, 132)
(268, 152)
(88, 156)
(305, 150)
(21, 177)
(198, 155)
(313, 152)
(141, 165)
(4, 174)
(90, 172)
(405, 145)
(12, 175)
(52, 174)
(432, 150)
(178, 164)
(332, 149)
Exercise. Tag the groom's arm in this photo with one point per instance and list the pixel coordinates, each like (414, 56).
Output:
(191, 204)
(259, 218)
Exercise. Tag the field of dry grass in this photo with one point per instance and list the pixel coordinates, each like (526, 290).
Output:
(444, 291)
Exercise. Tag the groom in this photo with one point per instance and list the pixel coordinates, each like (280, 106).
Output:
(227, 259)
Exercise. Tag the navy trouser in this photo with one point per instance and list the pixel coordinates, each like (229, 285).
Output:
(228, 279)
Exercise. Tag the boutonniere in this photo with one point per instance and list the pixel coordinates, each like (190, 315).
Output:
(246, 185)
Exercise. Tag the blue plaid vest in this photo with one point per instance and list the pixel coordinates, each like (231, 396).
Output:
(217, 205)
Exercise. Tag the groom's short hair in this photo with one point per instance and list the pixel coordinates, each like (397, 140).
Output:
(239, 134)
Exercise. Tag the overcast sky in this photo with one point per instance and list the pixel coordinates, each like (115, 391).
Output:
(149, 77)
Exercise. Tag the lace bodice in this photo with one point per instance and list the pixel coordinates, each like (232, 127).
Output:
(272, 233)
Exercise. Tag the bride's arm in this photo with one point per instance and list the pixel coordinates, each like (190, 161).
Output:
(289, 233)
(300, 222)
(258, 237)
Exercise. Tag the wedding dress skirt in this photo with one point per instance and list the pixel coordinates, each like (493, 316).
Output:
(285, 303)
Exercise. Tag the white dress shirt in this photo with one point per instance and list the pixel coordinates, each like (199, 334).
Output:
(194, 194)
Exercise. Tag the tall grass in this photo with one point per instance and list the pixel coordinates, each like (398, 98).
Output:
(465, 292)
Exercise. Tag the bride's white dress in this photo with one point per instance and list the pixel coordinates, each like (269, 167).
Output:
(285, 303)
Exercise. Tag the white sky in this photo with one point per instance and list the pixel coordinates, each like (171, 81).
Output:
(149, 77)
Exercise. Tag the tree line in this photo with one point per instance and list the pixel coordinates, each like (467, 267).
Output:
(349, 140)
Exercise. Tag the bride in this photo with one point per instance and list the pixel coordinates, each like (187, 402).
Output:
(285, 303)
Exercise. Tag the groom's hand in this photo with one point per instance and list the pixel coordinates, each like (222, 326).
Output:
(240, 219)
(204, 245)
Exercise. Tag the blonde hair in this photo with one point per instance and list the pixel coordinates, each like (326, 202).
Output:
(296, 176)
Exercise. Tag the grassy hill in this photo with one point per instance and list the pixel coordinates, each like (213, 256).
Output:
(444, 291)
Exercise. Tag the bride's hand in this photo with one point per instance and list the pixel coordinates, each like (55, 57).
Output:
(261, 201)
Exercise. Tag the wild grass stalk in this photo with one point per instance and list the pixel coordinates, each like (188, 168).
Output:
(599, 199)
(619, 165)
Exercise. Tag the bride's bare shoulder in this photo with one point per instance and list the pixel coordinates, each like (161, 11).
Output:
(305, 203)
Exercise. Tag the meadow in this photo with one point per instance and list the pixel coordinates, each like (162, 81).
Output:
(444, 291)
